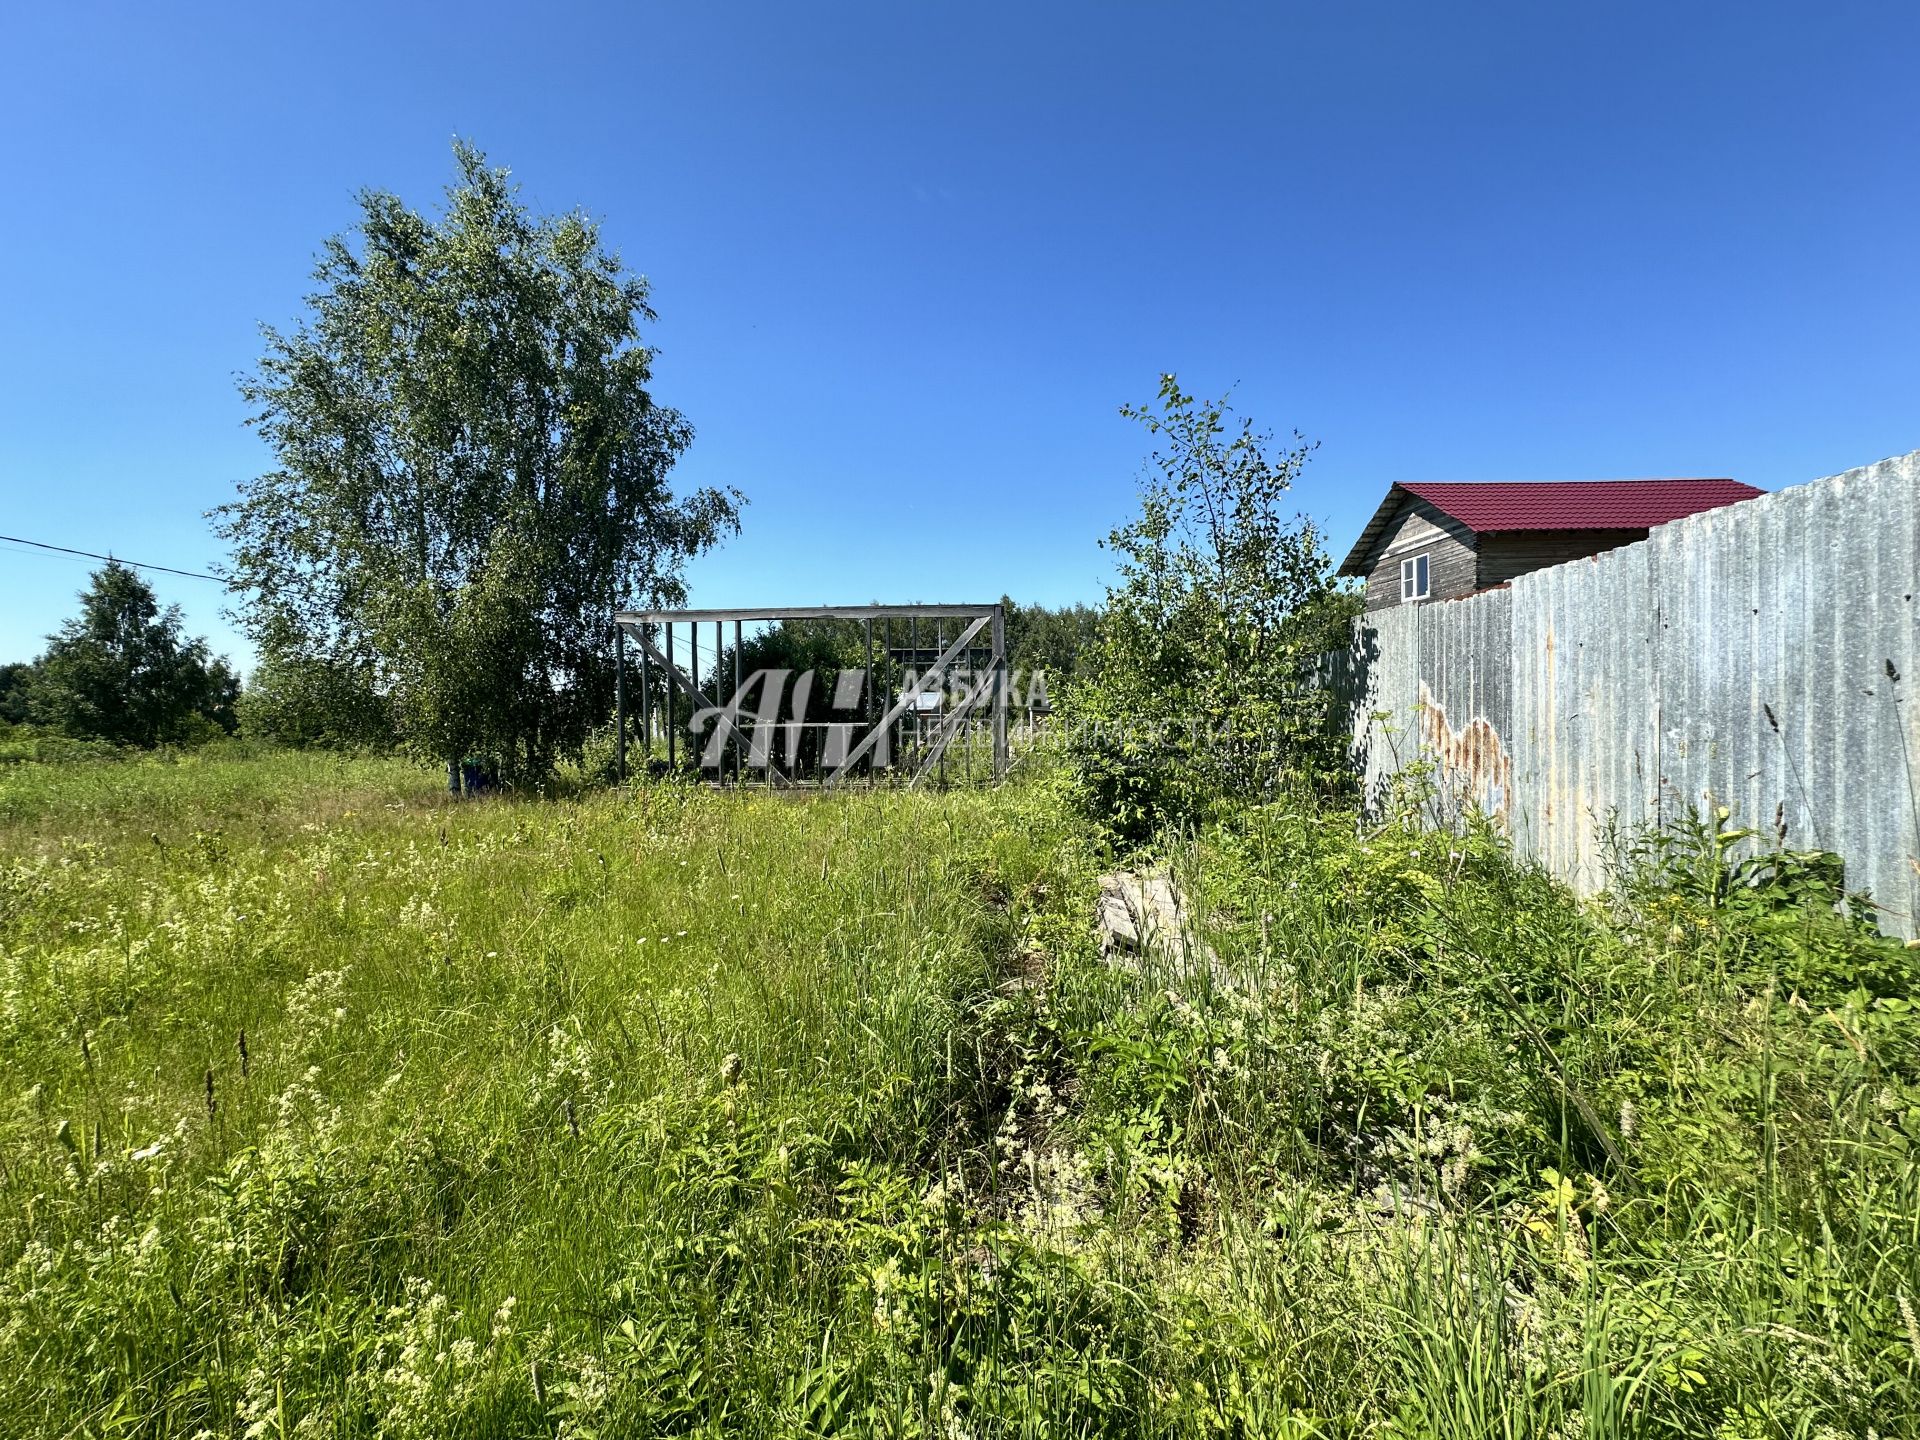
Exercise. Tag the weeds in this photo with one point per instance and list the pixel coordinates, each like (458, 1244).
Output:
(334, 1109)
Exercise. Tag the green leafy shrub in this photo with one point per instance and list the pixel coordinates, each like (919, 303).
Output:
(1198, 688)
(1775, 919)
(28, 744)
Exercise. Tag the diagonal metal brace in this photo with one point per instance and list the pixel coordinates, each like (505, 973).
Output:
(949, 727)
(913, 692)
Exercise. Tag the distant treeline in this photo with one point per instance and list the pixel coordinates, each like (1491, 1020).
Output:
(122, 672)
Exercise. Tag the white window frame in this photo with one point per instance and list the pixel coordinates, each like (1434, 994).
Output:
(1416, 579)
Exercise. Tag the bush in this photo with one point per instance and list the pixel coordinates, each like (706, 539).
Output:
(20, 744)
(1201, 685)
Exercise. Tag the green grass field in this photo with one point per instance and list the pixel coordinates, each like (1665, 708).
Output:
(333, 1108)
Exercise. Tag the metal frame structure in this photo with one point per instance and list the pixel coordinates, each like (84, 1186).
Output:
(649, 627)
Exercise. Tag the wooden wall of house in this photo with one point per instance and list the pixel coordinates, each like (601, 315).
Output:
(1508, 554)
(1452, 568)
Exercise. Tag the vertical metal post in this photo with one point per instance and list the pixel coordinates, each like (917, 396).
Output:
(880, 668)
(939, 649)
(867, 688)
(673, 759)
(619, 702)
(974, 727)
(646, 710)
(735, 700)
(1000, 686)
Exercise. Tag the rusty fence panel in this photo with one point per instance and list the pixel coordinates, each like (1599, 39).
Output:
(1764, 657)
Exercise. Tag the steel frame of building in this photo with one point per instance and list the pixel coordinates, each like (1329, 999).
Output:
(648, 626)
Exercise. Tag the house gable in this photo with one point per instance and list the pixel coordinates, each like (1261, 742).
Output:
(1418, 528)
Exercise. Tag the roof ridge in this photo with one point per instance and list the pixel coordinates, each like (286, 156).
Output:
(1484, 507)
(1602, 480)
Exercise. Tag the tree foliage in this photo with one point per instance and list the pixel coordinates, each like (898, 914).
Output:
(1200, 684)
(16, 679)
(1057, 642)
(122, 671)
(471, 474)
(306, 700)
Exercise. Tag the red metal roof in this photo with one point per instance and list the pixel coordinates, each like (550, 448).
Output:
(1483, 506)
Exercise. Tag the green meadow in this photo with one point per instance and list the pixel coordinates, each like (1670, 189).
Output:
(332, 1107)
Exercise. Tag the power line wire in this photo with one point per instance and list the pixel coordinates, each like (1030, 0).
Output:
(136, 564)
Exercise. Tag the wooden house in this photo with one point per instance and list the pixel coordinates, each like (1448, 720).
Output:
(1443, 540)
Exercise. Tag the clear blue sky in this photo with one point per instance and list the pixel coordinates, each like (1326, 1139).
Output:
(910, 257)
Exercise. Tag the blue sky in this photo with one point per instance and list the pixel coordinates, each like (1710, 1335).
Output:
(909, 258)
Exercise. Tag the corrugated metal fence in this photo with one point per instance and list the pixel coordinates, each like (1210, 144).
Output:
(1746, 657)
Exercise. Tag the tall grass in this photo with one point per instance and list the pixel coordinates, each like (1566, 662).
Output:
(303, 1063)
(335, 1108)
(1496, 1162)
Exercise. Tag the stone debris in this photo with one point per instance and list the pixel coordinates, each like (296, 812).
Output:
(1141, 914)
(1137, 912)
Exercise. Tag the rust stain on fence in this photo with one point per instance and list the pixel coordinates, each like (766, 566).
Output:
(1472, 761)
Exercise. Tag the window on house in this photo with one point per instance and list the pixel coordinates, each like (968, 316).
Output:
(1413, 579)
